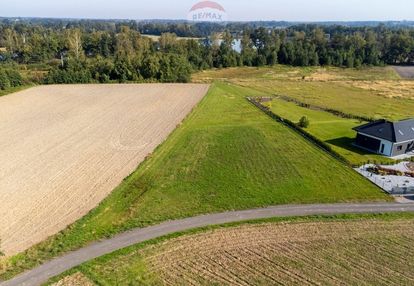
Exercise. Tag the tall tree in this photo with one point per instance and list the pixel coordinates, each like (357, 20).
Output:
(124, 47)
(247, 49)
(74, 42)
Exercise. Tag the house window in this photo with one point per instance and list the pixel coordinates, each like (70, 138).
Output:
(399, 148)
(382, 148)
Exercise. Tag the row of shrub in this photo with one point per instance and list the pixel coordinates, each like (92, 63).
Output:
(329, 110)
(321, 144)
(10, 78)
(389, 163)
(61, 76)
(389, 172)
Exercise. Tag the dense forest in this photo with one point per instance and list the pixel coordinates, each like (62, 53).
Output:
(84, 51)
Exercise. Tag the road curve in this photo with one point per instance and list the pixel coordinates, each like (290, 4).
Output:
(41, 274)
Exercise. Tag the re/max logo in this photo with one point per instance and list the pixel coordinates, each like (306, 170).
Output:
(207, 16)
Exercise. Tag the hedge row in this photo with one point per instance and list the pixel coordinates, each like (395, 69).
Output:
(329, 110)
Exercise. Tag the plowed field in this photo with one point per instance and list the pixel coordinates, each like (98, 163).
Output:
(319, 253)
(65, 148)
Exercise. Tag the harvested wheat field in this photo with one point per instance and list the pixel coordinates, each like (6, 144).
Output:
(390, 89)
(65, 148)
(366, 252)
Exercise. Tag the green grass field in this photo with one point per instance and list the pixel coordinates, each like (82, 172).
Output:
(368, 92)
(334, 130)
(283, 72)
(333, 88)
(226, 155)
(342, 97)
(348, 249)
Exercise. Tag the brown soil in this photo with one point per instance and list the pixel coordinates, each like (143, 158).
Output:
(328, 253)
(65, 148)
(77, 279)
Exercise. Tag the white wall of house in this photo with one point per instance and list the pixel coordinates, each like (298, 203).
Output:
(387, 147)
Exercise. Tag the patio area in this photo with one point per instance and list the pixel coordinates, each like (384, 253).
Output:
(394, 185)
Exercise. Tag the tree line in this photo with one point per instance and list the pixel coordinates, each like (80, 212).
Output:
(101, 51)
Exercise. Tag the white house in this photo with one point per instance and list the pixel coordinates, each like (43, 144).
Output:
(387, 138)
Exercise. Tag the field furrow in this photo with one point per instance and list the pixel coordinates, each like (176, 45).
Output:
(313, 253)
(65, 148)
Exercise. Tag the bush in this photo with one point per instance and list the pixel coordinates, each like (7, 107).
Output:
(174, 68)
(304, 122)
(4, 80)
(102, 69)
(14, 77)
(10, 78)
(62, 76)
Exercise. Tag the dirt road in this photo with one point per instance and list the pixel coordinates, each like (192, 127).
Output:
(405, 71)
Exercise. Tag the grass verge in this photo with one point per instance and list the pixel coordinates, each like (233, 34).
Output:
(14, 89)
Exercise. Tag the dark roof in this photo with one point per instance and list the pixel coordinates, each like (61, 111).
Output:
(391, 131)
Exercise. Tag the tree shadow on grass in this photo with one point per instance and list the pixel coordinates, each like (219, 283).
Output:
(347, 144)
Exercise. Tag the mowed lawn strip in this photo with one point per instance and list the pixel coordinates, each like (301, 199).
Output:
(227, 155)
(334, 130)
(314, 246)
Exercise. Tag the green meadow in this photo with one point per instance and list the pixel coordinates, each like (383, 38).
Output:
(371, 92)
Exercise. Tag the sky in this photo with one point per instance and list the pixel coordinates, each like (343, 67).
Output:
(244, 10)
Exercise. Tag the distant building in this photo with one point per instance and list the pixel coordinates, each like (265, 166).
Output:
(387, 138)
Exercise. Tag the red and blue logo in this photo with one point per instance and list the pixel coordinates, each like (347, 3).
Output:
(207, 11)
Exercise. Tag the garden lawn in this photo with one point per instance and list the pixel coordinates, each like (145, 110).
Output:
(226, 155)
(334, 130)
